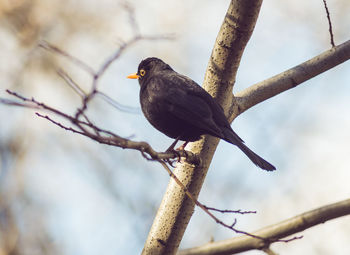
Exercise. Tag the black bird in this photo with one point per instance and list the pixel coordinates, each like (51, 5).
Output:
(181, 109)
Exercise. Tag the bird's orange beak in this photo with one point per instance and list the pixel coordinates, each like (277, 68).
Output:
(133, 76)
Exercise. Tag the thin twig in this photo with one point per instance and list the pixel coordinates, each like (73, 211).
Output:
(131, 15)
(71, 83)
(14, 103)
(329, 23)
(88, 129)
(58, 123)
(117, 105)
(50, 47)
(106, 64)
(217, 220)
(229, 211)
(114, 57)
(278, 230)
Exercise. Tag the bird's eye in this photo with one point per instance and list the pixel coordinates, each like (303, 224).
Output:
(142, 72)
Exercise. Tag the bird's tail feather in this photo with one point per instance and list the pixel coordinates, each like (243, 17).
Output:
(232, 137)
(256, 159)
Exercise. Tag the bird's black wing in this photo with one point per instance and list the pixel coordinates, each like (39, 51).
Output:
(188, 103)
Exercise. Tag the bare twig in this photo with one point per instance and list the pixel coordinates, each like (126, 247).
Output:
(88, 129)
(96, 75)
(71, 83)
(15, 103)
(59, 124)
(52, 48)
(217, 220)
(77, 89)
(114, 57)
(279, 230)
(123, 46)
(229, 211)
(117, 105)
(131, 16)
(329, 23)
(205, 208)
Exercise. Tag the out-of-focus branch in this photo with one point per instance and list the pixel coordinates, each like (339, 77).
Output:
(277, 231)
(96, 75)
(291, 78)
(8, 229)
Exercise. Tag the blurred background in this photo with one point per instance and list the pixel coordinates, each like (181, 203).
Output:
(61, 193)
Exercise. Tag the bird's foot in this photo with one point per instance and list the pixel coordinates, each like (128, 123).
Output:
(177, 152)
(171, 162)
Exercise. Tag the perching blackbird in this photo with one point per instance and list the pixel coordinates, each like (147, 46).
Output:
(181, 109)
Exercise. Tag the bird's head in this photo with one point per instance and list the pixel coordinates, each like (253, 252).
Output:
(149, 67)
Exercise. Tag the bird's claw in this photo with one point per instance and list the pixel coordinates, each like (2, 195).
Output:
(170, 162)
(177, 157)
(177, 152)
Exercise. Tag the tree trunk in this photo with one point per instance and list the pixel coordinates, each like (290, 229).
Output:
(176, 208)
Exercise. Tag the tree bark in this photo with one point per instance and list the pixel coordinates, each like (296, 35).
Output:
(176, 208)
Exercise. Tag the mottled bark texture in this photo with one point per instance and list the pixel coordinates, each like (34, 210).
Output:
(176, 208)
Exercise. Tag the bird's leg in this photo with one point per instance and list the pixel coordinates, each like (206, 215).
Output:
(182, 148)
(171, 149)
(172, 146)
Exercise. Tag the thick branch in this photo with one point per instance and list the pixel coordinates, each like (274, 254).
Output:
(273, 232)
(176, 209)
(293, 77)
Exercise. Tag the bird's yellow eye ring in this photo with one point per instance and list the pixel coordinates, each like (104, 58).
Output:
(142, 72)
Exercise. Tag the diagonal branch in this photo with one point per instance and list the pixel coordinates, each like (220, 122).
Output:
(291, 78)
(277, 231)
